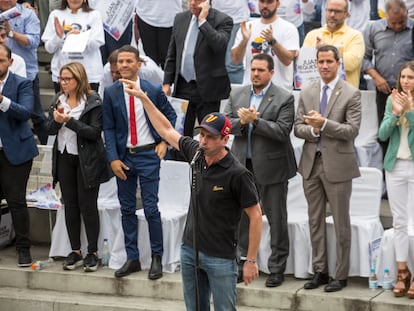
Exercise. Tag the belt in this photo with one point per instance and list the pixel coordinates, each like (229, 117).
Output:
(318, 154)
(141, 148)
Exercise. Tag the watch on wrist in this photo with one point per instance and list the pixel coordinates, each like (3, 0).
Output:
(10, 34)
(272, 42)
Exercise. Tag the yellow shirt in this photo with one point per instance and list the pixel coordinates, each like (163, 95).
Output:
(349, 41)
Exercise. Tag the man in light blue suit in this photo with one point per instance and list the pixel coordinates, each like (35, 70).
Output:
(134, 150)
(17, 149)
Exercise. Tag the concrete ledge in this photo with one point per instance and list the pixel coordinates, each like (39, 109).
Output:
(24, 289)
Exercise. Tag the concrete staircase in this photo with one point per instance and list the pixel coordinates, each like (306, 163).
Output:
(53, 289)
(45, 78)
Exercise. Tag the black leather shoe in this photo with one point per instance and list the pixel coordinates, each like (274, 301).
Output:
(274, 280)
(129, 267)
(335, 285)
(318, 279)
(155, 271)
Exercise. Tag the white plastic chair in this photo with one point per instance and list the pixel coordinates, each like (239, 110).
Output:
(174, 198)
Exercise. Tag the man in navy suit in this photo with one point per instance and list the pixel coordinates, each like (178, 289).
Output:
(203, 80)
(17, 150)
(134, 150)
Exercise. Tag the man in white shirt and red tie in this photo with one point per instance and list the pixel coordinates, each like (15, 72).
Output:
(134, 150)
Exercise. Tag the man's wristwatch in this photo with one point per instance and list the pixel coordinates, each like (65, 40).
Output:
(272, 42)
(10, 34)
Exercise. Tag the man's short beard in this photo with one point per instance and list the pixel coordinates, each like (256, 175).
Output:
(270, 15)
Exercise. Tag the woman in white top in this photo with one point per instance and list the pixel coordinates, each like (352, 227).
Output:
(398, 127)
(79, 160)
(73, 18)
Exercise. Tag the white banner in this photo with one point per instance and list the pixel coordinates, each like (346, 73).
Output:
(116, 15)
(306, 69)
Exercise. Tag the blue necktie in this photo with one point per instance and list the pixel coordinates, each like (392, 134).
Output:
(324, 100)
(322, 108)
(188, 58)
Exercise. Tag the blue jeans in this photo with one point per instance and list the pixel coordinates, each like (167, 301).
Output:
(217, 276)
(146, 166)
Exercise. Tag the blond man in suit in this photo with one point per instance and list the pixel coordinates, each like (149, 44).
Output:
(328, 118)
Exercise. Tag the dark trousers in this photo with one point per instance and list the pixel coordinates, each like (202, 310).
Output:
(13, 182)
(144, 165)
(38, 115)
(273, 199)
(381, 100)
(111, 44)
(197, 107)
(155, 41)
(79, 202)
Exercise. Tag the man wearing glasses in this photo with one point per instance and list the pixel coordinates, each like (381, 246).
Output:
(349, 41)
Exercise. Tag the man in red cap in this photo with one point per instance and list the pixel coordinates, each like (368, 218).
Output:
(227, 190)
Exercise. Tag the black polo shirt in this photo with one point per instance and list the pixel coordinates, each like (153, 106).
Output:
(227, 188)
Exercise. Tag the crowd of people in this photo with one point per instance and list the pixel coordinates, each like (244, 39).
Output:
(111, 116)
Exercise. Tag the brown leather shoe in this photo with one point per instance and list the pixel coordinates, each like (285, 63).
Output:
(410, 292)
(403, 282)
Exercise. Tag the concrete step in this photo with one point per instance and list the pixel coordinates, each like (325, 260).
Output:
(44, 300)
(55, 289)
(46, 96)
(45, 78)
(42, 55)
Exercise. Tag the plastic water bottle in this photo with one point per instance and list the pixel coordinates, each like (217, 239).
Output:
(105, 253)
(373, 281)
(387, 280)
(41, 264)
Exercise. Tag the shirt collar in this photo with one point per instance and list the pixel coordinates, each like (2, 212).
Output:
(262, 92)
(331, 84)
(341, 30)
(5, 79)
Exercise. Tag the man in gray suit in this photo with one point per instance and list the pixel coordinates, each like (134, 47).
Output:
(328, 118)
(262, 116)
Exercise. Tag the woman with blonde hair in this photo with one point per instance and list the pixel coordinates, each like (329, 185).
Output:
(79, 160)
(398, 126)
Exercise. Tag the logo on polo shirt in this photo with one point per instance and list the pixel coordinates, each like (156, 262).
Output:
(218, 188)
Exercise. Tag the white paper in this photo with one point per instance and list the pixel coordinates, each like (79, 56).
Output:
(76, 43)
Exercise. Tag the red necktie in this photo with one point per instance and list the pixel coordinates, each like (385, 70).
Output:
(132, 123)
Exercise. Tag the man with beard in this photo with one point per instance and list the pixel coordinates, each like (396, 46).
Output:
(349, 41)
(262, 117)
(271, 35)
(195, 61)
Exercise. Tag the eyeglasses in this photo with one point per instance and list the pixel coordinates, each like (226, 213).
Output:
(330, 11)
(65, 79)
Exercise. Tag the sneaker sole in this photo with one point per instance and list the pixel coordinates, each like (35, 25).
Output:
(74, 266)
(90, 269)
(24, 265)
